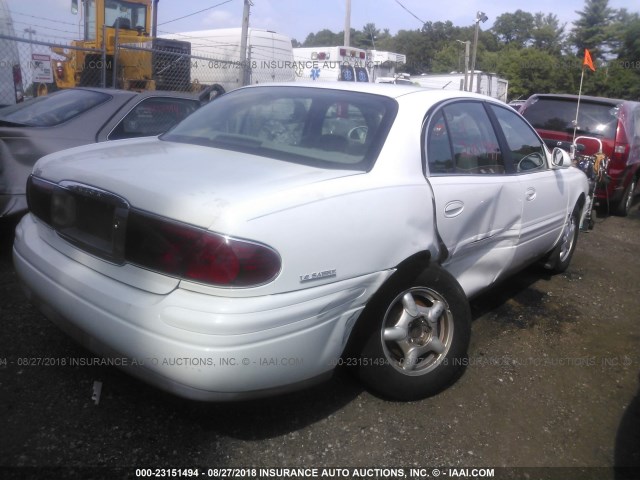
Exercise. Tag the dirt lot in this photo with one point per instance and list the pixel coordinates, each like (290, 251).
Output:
(552, 381)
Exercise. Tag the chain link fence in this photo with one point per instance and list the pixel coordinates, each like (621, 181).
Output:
(30, 68)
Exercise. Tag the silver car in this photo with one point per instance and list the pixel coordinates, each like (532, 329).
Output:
(73, 117)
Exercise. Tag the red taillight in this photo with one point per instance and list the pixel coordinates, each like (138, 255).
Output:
(362, 55)
(620, 149)
(343, 52)
(191, 253)
(619, 157)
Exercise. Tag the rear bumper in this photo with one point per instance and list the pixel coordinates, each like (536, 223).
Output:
(191, 344)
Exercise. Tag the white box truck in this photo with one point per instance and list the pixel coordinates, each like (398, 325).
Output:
(216, 59)
(485, 83)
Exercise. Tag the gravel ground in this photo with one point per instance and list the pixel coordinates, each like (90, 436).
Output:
(552, 381)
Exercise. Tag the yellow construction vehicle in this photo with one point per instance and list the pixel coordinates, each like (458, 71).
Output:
(117, 47)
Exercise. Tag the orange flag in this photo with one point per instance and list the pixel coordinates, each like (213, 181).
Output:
(587, 60)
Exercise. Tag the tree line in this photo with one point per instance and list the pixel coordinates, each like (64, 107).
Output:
(533, 51)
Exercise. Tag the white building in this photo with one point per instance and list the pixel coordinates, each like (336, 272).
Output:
(485, 83)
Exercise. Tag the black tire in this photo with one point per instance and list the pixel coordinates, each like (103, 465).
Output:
(417, 335)
(560, 257)
(624, 206)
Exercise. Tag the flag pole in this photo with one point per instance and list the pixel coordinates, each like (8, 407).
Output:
(575, 123)
(587, 62)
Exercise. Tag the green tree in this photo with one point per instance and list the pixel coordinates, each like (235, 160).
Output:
(625, 34)
(591, 30)
(623, 79)
(547, 33)
(416, 47)
(370, 34)
(514, 28)
(531, 70)
(324, 38)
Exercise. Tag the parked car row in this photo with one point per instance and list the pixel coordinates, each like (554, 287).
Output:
(284, 229)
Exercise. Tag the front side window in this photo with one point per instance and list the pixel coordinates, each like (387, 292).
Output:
(320, 127)
(461, 141)
(526, 149)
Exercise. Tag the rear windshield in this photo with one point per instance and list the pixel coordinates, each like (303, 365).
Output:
(595, 119)
(53, 109)
(318, 127)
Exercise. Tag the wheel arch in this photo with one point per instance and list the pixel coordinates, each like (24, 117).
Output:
(580, 203)
(405, 271)
(377, 361)
(578, 207)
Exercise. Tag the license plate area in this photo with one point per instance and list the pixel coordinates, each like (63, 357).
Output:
(91, 219)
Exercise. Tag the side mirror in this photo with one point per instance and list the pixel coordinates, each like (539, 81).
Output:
(560, 158)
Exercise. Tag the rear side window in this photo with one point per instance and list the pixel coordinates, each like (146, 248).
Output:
(595, 119)
(53, 109)
(525, 148)
(153, 116)
(461, 141)
(320, 127)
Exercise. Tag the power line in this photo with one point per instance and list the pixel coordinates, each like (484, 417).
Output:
(42, 18)
(413, 14)
(194, 13)
(43, 26)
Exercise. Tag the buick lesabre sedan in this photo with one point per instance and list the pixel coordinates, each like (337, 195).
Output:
(285, 229)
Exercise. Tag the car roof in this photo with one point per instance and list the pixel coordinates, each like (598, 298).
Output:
(386, 89)
(586, 98)
(131, 93)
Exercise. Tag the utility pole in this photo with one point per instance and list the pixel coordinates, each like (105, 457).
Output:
(347, 25)
(466, 63)
(31, 32)
(244, 62)
(480, 16)
(154, 26)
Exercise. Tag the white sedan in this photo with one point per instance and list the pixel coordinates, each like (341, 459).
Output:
(286, 229)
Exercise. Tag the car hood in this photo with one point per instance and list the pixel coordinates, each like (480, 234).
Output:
(202, 186)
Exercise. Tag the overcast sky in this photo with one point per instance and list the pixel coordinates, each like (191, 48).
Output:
(52, 20)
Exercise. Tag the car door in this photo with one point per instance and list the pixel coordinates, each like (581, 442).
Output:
(477, 201)
(543, 189)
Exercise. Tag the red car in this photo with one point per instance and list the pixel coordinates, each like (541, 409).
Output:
(615, 122)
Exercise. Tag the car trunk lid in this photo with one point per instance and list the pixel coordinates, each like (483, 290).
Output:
(188, 183)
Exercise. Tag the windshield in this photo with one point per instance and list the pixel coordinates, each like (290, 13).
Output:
(52, 109)
(123, 14)
(595, 119)
(319, 127)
